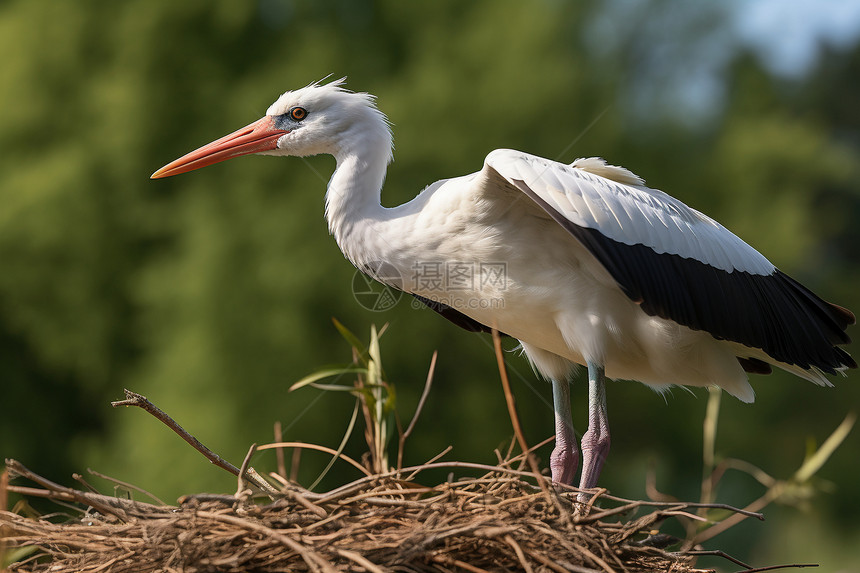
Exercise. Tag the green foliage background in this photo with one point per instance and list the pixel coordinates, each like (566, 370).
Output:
(212, 292)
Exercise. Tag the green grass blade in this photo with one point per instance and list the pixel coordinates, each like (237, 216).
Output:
(311, 378)
(334, 387)
(353, 340)
(340, 448)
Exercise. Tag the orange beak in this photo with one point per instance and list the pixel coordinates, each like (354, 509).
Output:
(262, 135)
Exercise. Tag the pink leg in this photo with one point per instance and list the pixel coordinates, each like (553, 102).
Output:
(595, 441)
(564, 459)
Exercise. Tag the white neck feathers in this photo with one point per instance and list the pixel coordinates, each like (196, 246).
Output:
(352, 201)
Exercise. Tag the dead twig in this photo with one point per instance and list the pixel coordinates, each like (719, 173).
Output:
(242, 492)
(306, 446)
(106, 505)
(717, 553)
(418, 409)
(775, 567)
(128, 486)
(135, 399)
(550, 495)
(279, 452)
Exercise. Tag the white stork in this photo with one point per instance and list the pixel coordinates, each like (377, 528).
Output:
(598, 269)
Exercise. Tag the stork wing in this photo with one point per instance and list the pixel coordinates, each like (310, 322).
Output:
(679, 264)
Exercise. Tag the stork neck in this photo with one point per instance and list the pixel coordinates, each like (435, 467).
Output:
(352, 202)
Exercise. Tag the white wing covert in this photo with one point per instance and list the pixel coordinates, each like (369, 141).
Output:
(615, 202)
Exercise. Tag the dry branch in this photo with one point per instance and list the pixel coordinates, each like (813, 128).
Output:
(250, 474)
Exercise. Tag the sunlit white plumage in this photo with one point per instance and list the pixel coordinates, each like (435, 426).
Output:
(598, 269)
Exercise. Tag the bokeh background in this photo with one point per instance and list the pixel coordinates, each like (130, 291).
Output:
(213, 292)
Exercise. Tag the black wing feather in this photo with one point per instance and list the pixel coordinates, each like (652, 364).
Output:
(771, 312)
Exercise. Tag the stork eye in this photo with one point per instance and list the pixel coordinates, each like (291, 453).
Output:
(298, 113)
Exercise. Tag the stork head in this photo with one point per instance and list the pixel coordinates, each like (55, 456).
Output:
(313, 120)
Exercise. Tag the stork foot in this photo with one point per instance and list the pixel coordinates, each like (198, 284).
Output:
(563, 463)
(595, 441)
(595, 449)
(564, 459)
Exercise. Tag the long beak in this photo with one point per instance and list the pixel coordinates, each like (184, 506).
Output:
(262, 135)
